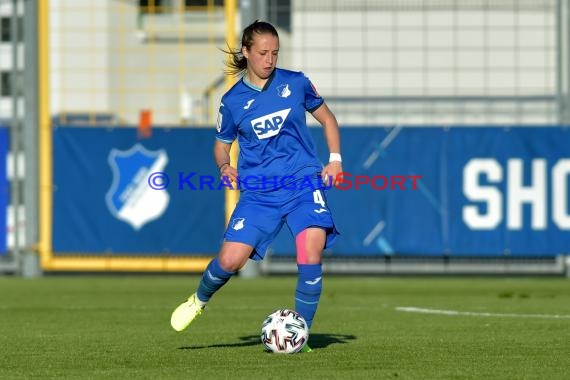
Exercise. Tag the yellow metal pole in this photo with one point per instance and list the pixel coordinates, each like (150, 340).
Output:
(45, 138)
(230, 8)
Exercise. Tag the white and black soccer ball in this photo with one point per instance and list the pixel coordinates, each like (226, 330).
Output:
(284, 332)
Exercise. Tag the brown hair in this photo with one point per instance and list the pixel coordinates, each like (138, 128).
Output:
(237, 63)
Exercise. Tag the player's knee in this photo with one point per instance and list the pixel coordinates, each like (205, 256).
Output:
(233, 256)
(310, 244)
(229, 264)
(232, 262)
(315, 251)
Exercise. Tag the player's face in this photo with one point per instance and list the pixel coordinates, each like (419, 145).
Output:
(262, 56)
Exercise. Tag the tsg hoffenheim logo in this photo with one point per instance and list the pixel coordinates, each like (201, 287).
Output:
(283, 91)
(130, 198)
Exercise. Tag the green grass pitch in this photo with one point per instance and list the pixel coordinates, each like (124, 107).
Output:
(117, 327)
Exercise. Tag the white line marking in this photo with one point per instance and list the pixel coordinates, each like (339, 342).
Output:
(371, 159)
(375, 232)
(391, 136)
(408, 309)
(383, 145)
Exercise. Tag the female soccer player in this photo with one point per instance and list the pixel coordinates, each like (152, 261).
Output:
(278, 172)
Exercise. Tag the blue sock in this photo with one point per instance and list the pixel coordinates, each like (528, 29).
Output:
(213, 279)
(309, 287)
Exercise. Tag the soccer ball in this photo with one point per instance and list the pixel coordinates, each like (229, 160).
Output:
(284, 332)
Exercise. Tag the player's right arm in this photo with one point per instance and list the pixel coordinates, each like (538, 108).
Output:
(222, 158)
(226, 133)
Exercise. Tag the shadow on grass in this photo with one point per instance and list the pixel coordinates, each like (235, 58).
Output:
(316, 341)
(245, 341)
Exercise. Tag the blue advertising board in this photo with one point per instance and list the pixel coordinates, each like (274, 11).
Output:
(483, 191)
(105, 199)
(413, 191)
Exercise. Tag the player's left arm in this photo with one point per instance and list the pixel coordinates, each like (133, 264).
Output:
(332, 136)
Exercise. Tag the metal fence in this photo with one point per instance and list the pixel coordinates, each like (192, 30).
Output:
(377, 62)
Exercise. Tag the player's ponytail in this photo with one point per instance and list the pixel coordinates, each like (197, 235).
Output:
(236, 64)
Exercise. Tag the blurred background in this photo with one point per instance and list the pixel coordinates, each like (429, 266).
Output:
(470, 97)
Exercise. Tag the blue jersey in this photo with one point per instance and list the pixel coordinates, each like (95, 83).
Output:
(276, 148)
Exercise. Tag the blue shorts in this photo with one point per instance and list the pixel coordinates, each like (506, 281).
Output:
(257, 223)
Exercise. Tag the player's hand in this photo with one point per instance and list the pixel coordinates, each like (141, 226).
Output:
(229, 172)
(332, 170)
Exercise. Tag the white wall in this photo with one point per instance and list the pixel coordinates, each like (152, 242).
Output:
(393, 51)
(104, 59)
